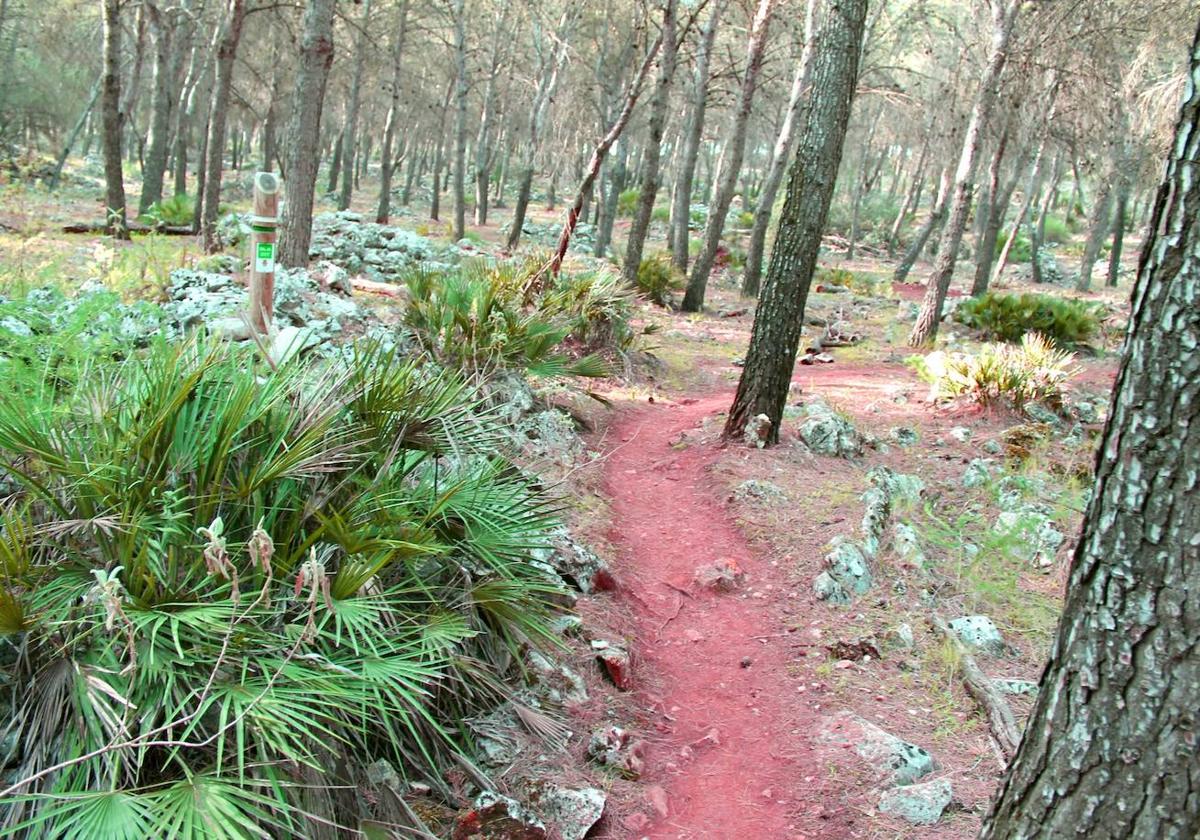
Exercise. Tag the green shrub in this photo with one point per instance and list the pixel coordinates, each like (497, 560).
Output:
(1035, 371)
(1008, 317)
(1056, 230)
(1021, 251)
(176, 210)
(627, 202)
(472, 320)
(597, 306)
(660, 214)
(232, 587)
(697, 216)
(657, 278)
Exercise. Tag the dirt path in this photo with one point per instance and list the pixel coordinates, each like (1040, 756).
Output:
(713, 666)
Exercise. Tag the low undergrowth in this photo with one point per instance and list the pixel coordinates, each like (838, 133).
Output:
(1010, 317)
(226, 588)
(1034, 371)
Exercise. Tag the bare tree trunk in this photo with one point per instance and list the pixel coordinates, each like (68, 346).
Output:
(616, 184)
(161, 105)
(111, 117)
(550, 66)
(1097, 228)
(350, 129)
(1004, 17)
(690, 153)
(1109, 752)
(779, 159)
(460, 119)
(937, 215)
(693, 299)
(593, 168)
(771, 358)
(304, 132)
(652, 158)
(1118, 245)
(386, 164)
(222, 85)
(483, 139)
(73, 135)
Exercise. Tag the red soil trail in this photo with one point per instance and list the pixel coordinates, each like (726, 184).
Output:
(707, 662)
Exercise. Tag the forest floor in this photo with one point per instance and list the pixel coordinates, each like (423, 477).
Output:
(736, 689)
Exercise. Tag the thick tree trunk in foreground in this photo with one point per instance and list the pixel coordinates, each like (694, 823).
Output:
(693, 299)
(694, 133)
(111, 118)
(1004, 17)
(304, 132)
(1111, 748)
(652, 158)
(763, 388)
(752, 279)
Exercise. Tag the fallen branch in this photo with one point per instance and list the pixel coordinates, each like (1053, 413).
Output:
(132, 227)
(362, 284)
(999, 714)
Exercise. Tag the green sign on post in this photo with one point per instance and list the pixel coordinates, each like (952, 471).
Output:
(264, 257)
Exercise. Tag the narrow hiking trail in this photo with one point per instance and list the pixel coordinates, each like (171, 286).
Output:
(725, 762)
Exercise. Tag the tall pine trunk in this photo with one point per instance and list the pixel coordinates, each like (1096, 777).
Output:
(1110, 751)
(222, 87)
(111, 119)
(1004, 18)
(350, 132)
(386, 163)
(304, 132)
(652, 157)
(694, 132)
(693, 299)
(767, 374)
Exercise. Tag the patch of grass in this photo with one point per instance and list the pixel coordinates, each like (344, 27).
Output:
(627, 202)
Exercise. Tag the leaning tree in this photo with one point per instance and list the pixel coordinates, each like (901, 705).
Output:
(1111, 748)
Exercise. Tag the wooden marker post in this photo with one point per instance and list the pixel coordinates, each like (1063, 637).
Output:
(263, 222)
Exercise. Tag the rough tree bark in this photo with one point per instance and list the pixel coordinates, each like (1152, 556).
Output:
(652, 158)
(350, 130)
(767, 374)
(694, 132)
(752, 278)
(222, 87)
(1004, 18)
(111, 119)
(693, 298)
(304, 132)
(1110, 749)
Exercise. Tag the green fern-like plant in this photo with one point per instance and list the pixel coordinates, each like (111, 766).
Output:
(657, 278)
(1034, 371)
